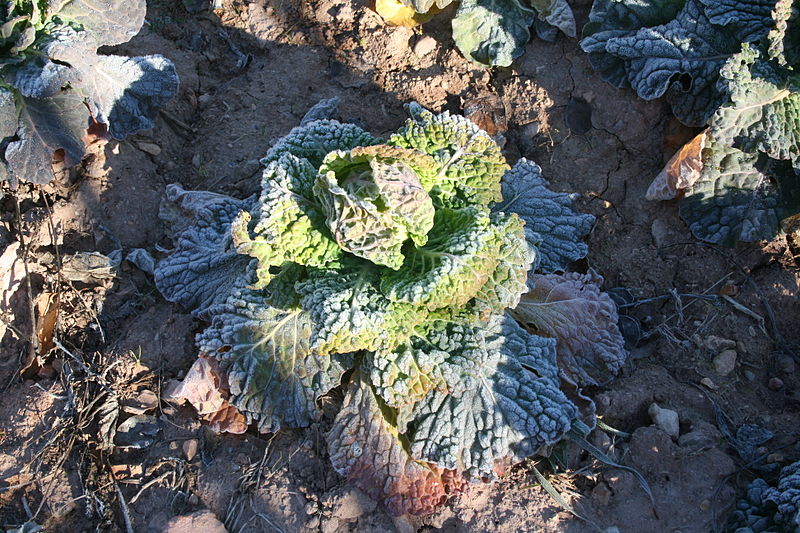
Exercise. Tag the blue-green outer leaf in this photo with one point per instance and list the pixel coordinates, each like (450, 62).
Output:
(552, 227)
(504, 401)
(274, 375)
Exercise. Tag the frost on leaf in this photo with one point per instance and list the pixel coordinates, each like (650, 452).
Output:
(204, 268)
(571, 309)
(405, 375)
(366, 448)
(351, 314)
(459, 258)
(552, 227)
(735, 199)
(492, 32)
(610, 19)
(109, 21)
(764, 113)
(784, 38)
(508, 281)
(274, 375)
(60, 82)
(672, 48)
(317, 139)
(291, 225)
(504, 400)
(468, 163)
(47, 125)
(374, 201)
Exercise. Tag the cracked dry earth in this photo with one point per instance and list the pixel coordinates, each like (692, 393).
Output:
(249, 71)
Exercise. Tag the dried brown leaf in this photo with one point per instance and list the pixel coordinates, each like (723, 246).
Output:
(206, 389)
(47, 317)
(680, 172)
(366, 448)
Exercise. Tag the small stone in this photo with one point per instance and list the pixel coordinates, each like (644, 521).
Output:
(776, 457)
(717, 344)
(706, 382)
(196, 161)
(775, 383)
(665, 419)
(425, 46)
(660, 232)
(749, 376)
(150, 148)
(725, 362)
(190, 448)
(705, 505)
(145, 401)
(204, 99)
(787, 364)
(204, 521)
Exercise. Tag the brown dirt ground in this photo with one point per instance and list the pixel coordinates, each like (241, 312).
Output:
(211, 136)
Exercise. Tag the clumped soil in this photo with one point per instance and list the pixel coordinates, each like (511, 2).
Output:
(249, 72)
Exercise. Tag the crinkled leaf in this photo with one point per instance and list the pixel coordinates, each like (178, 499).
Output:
(274, 375)
(680, 60)
(557, 13)
(291, 225)
(508, 281)
(366, 448)
(9, 121)
(750, 19)
(351, 314)
(734, 199)
(552, 227)
(109, 21)
(571, 309)
(316, 139)
(404, 375)
(204, 268)
(784, 39)
(620, 18)
(374, 201)
(764, 113)
(47, 125)
(469, 164)
(672, 48)
(504, 401)
(459, 258)
(492, 32)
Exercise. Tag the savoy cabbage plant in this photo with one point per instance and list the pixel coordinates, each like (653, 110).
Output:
(54, 84)
(733, 66)
(420, 273)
